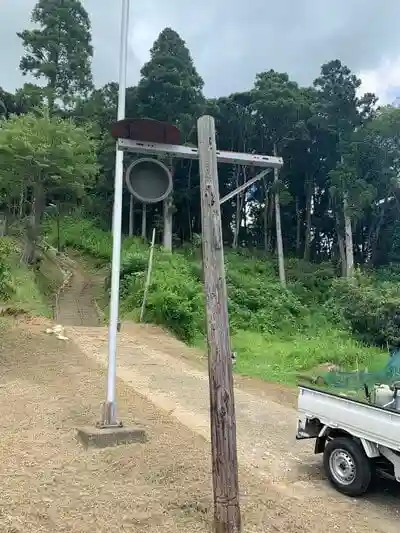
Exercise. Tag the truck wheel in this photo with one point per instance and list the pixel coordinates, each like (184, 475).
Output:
(347, 466)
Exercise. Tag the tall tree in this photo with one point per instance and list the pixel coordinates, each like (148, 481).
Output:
(100, 110)
(49, 156)
(170, 90)
(59, 50)
(277, 102)
(341, 112)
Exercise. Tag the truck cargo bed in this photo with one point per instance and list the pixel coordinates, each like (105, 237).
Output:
(362, 420)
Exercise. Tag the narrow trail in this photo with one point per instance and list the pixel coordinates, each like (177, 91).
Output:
(75, 305)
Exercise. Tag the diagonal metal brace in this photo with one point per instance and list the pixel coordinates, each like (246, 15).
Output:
(243, 187)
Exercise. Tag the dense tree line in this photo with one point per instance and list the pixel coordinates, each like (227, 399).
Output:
(336, 198)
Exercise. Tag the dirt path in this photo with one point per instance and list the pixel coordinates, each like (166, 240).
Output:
(160, 370)
(75, 305)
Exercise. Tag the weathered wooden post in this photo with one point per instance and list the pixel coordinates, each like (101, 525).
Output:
(222, 406)
(150, 137)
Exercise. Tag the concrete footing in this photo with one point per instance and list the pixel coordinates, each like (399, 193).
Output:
(96, 437)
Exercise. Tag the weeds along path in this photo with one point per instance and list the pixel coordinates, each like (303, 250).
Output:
(75, 302)
(165, 372)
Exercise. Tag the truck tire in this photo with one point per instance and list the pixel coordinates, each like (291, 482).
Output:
(347, 466)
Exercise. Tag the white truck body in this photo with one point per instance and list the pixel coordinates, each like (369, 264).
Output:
(375, 430)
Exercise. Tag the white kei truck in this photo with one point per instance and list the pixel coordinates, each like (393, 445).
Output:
(358, 439)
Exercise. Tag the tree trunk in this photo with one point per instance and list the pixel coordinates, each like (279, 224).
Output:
(279, 242)
(168, 212)
(373, 238)
(131, 214)
(144, 221)
(342, 249)
(21, 202)
(307, 237)
(268, 219)
(298, 227)
(348, 238)
(237, 217)
(33, 225)
(3, 224)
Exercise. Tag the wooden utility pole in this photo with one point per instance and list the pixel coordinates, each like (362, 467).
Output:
(222, 405)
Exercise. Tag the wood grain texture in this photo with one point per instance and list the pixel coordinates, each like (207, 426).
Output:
(222, 406)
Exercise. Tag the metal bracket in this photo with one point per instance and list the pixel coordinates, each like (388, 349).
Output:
(108, 420)
(187, 152)
(245, 186)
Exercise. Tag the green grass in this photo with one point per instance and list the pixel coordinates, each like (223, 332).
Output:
(281, 359)
(25, 295)
(48, 278)
(276, 332)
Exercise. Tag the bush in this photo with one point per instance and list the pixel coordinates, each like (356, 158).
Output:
(257, 300)
(371, 309)
(175, 297)
(7, 248)
(17, 282)
(276, 331)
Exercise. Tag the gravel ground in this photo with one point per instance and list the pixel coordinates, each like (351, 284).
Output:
(158, 368)
(49, 483)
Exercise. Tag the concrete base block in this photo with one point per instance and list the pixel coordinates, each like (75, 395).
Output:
(96, 437)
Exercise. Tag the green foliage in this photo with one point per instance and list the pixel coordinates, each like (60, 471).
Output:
(45, 151)
(170, 88)
(372, 309)
(59, 49)
(277, 332)
(310, 282)
(278, 103)
(257, 299)
(85, 237)
(336, 146)
(7, 248)
(282, 357)
(18, 289)
(175, 297)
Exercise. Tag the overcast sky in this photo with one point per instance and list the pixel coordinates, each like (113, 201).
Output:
(232, 40)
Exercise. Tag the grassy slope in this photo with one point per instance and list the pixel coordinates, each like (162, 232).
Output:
(276, 333)
(32, 290)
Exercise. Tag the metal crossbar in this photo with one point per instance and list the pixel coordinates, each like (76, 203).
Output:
(187, 152)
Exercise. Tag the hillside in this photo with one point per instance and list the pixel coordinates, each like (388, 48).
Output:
(276, 332)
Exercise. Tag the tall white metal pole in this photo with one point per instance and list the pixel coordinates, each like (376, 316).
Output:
(109, 414)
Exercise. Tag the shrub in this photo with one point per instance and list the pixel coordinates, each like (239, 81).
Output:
(257, 300)
(175, 298)
(372, 310)
(7, 248)
(277, 331)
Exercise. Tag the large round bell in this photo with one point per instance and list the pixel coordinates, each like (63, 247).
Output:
(149, 180)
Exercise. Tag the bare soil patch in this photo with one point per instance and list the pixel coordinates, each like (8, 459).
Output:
(49, 483)
(156, 337)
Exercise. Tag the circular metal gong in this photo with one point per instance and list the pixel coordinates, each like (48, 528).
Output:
(149, 180)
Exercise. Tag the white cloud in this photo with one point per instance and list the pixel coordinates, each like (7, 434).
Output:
(383, 81)
(232, 40)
